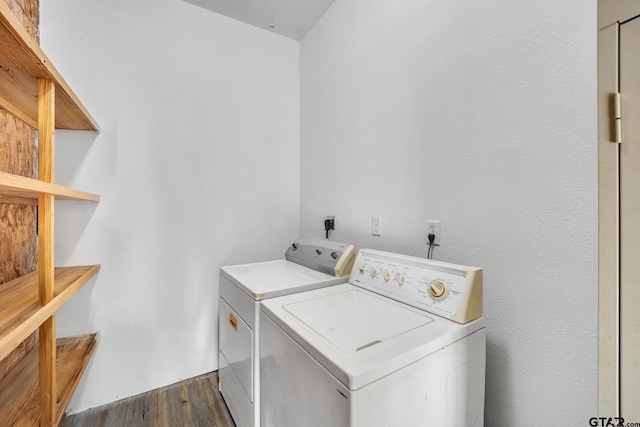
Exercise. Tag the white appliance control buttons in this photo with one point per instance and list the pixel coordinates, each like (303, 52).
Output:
(438, 289)
(402, 280)
(362, 269)
(374, 272)
(387, 276)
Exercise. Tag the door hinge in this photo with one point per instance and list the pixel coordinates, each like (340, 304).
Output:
(617, 117)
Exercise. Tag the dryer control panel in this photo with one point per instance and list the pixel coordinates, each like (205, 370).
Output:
(448, 290)
(326, 256)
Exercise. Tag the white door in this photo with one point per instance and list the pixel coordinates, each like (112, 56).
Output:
(630, 220)
(619, 209)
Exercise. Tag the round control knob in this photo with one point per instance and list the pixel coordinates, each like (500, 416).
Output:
(437, 289)
(334, 255)
(295, 246)
(362, 269)
(402, 280)
(318, 251)
(387, 276)
(373, 272)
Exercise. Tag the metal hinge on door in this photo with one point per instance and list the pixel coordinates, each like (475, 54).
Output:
(617, 117)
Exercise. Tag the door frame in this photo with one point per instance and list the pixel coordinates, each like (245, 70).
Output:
(611, 13)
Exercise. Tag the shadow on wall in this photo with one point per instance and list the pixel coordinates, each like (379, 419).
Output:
(72, 149)
(72, 217)
(498, 385)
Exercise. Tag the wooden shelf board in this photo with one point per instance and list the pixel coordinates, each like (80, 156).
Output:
(19, 389)
(29, 188)
(22, 63)
(20, 310)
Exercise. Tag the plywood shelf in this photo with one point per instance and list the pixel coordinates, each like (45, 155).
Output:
(22, 63)
(19, 389)
(16, 186)
(20, 309)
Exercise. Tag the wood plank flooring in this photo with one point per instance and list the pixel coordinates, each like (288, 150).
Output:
(194, 402)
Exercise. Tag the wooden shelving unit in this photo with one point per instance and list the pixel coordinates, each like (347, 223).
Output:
(38, 389)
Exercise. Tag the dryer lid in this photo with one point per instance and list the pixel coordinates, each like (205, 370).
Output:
(270, 279)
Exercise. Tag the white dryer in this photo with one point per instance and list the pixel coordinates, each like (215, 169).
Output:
(401, 344)
(308, 264)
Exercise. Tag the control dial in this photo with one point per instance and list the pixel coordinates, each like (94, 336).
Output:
(334, 255)
(438, 289)
(387, 276)
(362, 269)
(318, 251)
(373, 272)
(402, 280)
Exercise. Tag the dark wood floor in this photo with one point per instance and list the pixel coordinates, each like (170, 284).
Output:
(193, 402)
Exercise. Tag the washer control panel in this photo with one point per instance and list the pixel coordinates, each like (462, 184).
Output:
(447, 290)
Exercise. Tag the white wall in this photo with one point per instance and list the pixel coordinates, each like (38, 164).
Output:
(197, 166)
(481, 114)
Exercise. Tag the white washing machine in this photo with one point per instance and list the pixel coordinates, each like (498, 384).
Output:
(401, 344)
(308, 264)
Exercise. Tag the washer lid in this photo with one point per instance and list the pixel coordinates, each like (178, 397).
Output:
(354, 320)
(274, 278)
(360, 336)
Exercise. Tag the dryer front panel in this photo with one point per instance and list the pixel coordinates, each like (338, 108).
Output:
(236, 344)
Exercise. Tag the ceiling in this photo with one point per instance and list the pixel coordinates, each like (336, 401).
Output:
(290, 18)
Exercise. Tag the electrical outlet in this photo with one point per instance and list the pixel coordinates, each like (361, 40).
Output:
(332, 222)
(329, 224)
(433, 227)
(376, 226)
